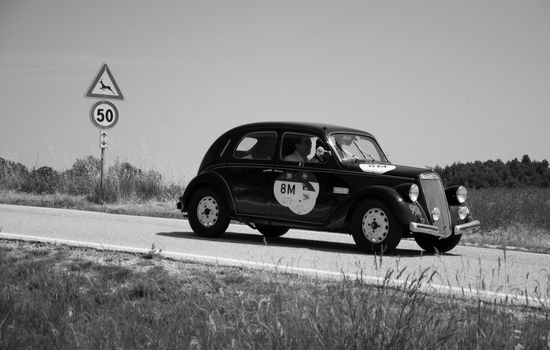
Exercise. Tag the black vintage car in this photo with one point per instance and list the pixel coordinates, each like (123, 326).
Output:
(275, 176)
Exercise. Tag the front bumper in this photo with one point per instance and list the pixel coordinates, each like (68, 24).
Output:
(467, 228)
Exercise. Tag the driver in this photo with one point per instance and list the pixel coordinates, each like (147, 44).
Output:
(302, 151)
(302, 148)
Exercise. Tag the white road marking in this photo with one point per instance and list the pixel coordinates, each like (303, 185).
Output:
(374, 280)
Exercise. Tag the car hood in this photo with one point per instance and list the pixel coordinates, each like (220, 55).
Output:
(390, 169)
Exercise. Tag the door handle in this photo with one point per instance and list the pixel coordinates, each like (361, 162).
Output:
(272, 171)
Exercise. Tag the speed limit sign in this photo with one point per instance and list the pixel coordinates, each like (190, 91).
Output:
(104, 114)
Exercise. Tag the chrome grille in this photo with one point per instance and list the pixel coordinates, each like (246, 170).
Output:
(433, 191)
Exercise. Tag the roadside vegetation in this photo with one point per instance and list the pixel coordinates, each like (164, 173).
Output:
(57, 297)
(517, 217)
(123, 182)
(512, 199)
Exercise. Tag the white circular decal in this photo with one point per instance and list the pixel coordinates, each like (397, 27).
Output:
(376, 168)
(297, 191)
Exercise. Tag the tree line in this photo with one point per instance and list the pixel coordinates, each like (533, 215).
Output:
(489, 174)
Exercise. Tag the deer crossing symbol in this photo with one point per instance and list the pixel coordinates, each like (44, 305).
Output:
(106, 87)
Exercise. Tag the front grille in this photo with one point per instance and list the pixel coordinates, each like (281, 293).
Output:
(434, 194)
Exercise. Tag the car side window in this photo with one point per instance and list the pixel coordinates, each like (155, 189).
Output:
(301, 148)
(256, 146)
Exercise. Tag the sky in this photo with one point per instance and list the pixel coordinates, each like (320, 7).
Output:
(436, 81)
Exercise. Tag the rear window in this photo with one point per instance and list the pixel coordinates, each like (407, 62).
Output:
(256, 146)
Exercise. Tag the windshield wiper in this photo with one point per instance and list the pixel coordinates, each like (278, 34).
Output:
(365, 154)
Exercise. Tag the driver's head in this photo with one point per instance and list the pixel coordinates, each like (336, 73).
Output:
(303, 146)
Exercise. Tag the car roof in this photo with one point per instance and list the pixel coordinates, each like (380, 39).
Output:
(303, 126)
(314, 128)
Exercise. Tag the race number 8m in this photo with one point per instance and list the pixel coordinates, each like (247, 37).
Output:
(104, 114)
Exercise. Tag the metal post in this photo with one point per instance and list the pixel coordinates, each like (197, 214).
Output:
(102, 147)
(101, 179)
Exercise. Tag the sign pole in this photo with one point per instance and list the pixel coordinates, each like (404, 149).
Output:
(102, 147)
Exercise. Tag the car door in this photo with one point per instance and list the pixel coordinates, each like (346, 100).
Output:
(304, 190)
(250, 175)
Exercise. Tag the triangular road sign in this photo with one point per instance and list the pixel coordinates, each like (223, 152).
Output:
(104, 85)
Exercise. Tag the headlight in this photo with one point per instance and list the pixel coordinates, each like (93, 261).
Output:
(461, 194)
(463, 212)
(413, 192)
(435, 214)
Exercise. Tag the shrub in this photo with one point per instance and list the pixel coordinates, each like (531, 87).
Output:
(149, 186)
(80, 179)
(12, 174)
(110, 193)
(124, 181)
(42, 180)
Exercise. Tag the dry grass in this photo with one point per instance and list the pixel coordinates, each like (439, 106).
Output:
(500, 208)
(165, 208)
(67, 298)
(518, 235)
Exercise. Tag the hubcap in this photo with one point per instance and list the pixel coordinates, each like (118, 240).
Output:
(208, 211)
(376, 225)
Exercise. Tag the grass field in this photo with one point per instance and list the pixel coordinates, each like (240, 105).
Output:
(518, 217)
(57, 297)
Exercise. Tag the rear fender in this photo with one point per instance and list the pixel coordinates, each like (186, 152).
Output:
(209, 178)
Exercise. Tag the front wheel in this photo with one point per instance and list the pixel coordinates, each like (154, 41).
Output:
(435, 245)
(375, 228)
(208, 213)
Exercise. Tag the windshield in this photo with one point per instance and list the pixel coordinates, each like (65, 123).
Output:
(357, 148)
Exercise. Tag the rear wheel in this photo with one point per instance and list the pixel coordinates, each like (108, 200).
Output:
(272, 231)
(435, 245)
(374, 227)
(208, 214)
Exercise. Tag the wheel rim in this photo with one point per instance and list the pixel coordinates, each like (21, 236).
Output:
(376, 225)
(208, 211)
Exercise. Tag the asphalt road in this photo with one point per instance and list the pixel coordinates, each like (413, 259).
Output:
(516, 276)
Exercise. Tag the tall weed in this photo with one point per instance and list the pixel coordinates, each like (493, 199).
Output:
(124, 182)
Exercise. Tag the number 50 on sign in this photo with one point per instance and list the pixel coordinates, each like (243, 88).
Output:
(104, 114)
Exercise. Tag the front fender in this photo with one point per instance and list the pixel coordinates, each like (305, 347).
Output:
(208, 178)
(393, 199)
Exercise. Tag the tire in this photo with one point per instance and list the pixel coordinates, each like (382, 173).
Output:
(375, 228)
(208, 213)
(434, 245)
(272, 231)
